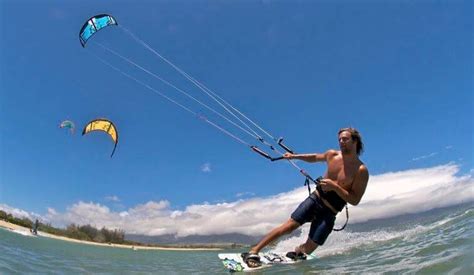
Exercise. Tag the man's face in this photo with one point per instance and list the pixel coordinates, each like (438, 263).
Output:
(346, 144)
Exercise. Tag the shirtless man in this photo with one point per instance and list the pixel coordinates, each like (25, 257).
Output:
(344, 182)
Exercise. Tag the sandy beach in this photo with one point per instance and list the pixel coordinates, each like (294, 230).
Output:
(26, 231)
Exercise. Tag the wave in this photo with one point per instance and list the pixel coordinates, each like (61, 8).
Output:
(345, 242)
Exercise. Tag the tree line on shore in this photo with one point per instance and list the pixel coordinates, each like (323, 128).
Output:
(79, 232)
(92, 234)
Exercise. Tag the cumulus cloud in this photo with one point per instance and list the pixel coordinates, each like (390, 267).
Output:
(206, 167)
(244, 194)
(414, 191)
(19, 213)
(387, 195)
(112, 198)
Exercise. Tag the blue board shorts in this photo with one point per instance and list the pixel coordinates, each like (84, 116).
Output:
(313, 210)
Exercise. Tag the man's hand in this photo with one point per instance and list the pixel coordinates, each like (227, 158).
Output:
(288, 156)
(328, 185)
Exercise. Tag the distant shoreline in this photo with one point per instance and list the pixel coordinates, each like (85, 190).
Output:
(26, 231)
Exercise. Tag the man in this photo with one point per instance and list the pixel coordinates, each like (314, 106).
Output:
(34, 229)
(344, 182)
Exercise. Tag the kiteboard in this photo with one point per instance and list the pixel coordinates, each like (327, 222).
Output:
(235, 263)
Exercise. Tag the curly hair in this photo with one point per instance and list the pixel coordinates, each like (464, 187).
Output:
(355, 137)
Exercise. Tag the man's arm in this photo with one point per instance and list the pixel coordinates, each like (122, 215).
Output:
(358, 187)
(310, 157)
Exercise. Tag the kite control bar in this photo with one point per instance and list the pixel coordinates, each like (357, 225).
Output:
(260, 152)
(280, 142)
(267, 156)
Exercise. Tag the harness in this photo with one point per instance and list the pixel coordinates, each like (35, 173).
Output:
(307, 183)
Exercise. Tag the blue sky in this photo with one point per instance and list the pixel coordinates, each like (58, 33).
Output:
(399, 71)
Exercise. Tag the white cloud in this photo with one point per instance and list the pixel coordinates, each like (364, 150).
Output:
(112, 198)
(52, 211)
(206, 167)
(425, 156)
(19, 213)
(387, 195)
(242, 194)
(413, 191)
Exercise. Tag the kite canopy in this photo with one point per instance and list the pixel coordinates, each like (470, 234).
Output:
(93, 25)
(68, 125)
(105, 125)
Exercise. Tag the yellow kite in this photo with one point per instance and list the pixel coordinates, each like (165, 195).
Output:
(105, 125)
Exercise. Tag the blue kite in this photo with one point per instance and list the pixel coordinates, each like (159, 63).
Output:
(95, 24)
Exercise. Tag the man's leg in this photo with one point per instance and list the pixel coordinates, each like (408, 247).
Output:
(279, 231)
(319, 231)
(307, 248)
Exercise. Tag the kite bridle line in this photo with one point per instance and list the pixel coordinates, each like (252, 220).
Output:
(171, 100)
(219, 100)
(233, 111)
(172, 86)
(202, 117)
(250, 132)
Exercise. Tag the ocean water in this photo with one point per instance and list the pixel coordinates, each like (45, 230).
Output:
(440, 241)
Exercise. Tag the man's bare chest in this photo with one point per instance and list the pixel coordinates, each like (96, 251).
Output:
(343, 173)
